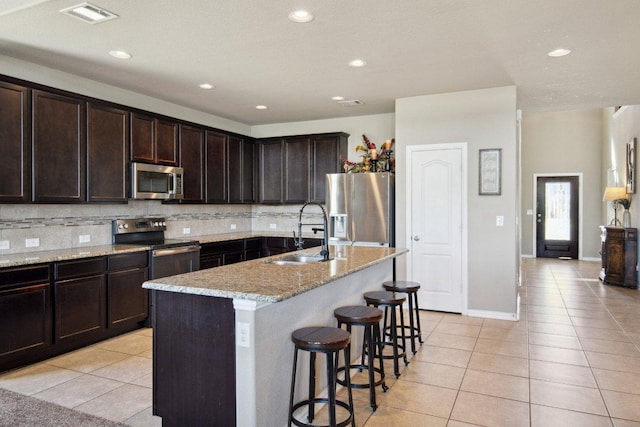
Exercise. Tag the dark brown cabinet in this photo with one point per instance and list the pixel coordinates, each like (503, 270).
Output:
(241, 158)
(15, 144)
(127, 301)
(153, 140)
(192, 161)
(270, 170)
(216, 168)
(80, 300)
(297, 169)
(325, 151)
(25, 304)
(107, 153)
(216, 254)
(620, 257)
(58, 148)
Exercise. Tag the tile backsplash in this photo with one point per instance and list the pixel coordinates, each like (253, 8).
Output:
(70, 226)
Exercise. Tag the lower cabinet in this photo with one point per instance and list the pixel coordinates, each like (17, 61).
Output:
(127, 301)
(620, 257)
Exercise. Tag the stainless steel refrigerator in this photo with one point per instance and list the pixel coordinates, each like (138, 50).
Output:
(361, 208)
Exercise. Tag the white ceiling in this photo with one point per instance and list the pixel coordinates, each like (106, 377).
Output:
(254, 55)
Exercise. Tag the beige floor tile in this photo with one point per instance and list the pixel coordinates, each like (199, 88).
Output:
(504, 324)
(87, 359)
(497, 385)
(126, 370)
(602, 334)
(562, 373)
(565, 396)
(444, 356)
(596, 323)
(453, 423)
(148, 354)
(543, 309)
(574, 312)
(458, 342)
(472, 408)
(145, 381)
(550, 318)
(78, 391)
(457, 329)
(36, 378)
(466, 320)
(386, 417)
(144, 419)
(517, 335)
(585, 305)
(622, 405)
(613, 362)
(548, 340)
(545, 416)
(499, 364)
(119, 404)
(421, 398)
(504, 348)
(625, 423)
(552, 329)
(144, 331)
(558, 355)
(625, 382)
(610, 347)
(433, 374)
(130, 343)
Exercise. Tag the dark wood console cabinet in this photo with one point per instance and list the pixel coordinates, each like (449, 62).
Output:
(620, 257)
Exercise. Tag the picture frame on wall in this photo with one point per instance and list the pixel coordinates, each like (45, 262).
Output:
(631, 166)
(490, 172)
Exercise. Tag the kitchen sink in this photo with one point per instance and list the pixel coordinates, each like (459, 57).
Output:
(296, 259)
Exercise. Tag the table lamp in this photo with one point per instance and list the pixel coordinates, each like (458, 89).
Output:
(613, 194)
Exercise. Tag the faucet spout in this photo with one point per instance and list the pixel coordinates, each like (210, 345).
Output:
(325, 230)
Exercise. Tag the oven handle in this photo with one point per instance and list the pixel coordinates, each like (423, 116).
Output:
(174, 251)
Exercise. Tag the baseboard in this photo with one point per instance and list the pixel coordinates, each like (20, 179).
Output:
(526, 256)
(499, 315)
(588, 258)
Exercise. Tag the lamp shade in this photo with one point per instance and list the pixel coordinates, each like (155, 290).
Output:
(614, 193)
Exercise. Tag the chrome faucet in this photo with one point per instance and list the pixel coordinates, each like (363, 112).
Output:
(325, 229)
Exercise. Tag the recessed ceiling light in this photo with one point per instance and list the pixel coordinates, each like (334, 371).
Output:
(357, 63)
(206, 86)
(261, 107)
(120, 54)
(301, 16)
(338, 98)
(89, 13)
(556, 53)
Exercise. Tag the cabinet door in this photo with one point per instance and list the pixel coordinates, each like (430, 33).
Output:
(192, 161)
(107, 145)
(15, 147)
(216, 168)
(58, 148)
(326, 152)
(270, 168)
(166, 143)
(126, 299)
(142, 138)
(296, 169)
(248, 171)
(235, 170)
(80, 308)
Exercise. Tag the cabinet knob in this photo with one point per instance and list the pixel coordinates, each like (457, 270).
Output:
(416, 238)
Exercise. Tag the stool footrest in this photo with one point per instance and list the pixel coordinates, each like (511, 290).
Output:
(307, 402)
(363, 385)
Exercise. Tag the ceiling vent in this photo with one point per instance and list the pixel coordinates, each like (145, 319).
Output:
(350, 102)
(89, 13)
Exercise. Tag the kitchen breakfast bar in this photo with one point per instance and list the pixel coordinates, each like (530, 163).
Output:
(221, 345)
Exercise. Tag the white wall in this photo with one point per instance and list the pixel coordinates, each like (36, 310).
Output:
(483, 119)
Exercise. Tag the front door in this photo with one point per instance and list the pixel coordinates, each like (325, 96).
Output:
(435, 205)
(557, 217)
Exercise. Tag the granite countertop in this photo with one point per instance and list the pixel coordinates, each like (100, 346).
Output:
(261, 280)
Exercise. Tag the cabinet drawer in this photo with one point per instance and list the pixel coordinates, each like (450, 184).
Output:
(253, 243)
(128, 261)
(277, 242)
(222, 247)
(86, 267)
(24, 276)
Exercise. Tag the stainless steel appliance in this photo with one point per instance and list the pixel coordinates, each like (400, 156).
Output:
(167, 257)
(156, 181)
(361, 208)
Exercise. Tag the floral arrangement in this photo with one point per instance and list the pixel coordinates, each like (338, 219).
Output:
(372, 160)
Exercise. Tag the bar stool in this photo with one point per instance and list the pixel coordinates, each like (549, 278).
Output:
(329, 341)
(391, 301)
(369, 317)
(411, 289)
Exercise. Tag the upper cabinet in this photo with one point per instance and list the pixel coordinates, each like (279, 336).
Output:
(229, 168)
(216, 168)
(292, 169)
(153, 140)
(107, 153)
(192, 161)
(58, 148)
(15, 144)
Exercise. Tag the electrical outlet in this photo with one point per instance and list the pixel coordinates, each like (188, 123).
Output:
(272, 226)
(4, 244)
(243, 334)
(233, 226)
(84, 238)
(499, 221)
(32, 243)
(186, 230)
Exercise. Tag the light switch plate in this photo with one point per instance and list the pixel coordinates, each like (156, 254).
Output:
(186, 230)
(32, 243)
(272, 226)
(84, 238)
(243, 334)
(233, 226)
(5, 244)
(499, 221)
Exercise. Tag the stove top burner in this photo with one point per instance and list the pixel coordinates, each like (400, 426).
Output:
(145, 232)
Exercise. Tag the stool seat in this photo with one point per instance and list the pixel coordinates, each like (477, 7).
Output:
(384, 298)
(358, 314)
(401, 286)
(320, 339)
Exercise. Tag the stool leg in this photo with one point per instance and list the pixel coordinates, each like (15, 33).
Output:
(404, 343)
(370, 349)
(411, 327)
(347, 356)
(394, 339)
(331, 385)
(293, 384)
(418, 318)
(312, 386)
(378, 342)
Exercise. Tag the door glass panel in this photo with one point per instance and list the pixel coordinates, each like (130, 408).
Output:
(557, 224)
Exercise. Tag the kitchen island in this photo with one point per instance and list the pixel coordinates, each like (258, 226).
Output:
(222, 347)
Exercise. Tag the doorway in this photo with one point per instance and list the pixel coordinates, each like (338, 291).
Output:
(557, 216)
(436, 220)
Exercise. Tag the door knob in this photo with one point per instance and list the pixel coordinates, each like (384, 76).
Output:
(416, 238)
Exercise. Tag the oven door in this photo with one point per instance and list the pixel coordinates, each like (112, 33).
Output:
(177, 260)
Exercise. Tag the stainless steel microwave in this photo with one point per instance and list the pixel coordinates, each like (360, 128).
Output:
(156, 181)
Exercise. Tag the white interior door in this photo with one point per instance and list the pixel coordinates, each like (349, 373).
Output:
(435, 225)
